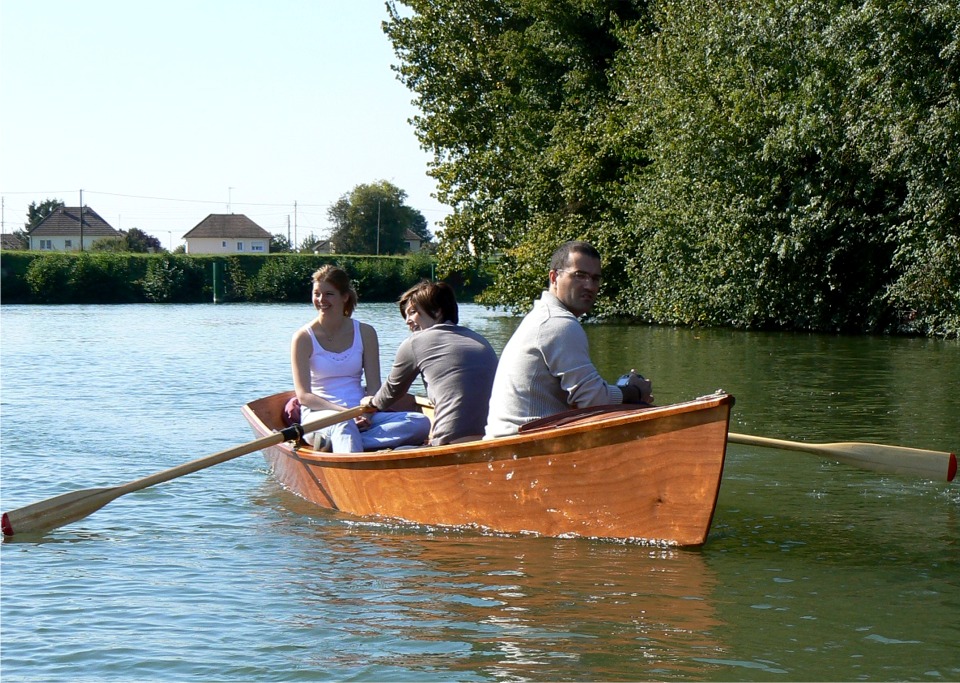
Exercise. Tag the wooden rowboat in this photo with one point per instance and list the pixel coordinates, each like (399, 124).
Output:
(615, 472)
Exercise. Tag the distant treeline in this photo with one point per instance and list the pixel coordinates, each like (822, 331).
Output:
(118, 278)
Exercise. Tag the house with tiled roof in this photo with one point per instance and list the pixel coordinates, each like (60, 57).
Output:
(62, 230)
(227, 233)
(413, 241)
(11, 242)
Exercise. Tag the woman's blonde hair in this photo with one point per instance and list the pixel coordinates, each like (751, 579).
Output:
(338, 278)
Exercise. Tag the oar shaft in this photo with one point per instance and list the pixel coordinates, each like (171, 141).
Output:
(204, 462)
(288, 434)
(69, 507)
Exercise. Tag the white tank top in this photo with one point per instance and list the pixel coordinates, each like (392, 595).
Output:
(336, 376)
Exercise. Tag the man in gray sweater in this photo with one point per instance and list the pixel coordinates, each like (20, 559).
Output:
(545, 368)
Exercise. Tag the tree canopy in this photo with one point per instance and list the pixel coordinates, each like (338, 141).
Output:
(37, 212)
(748, 163)
(133, 240)
(373, 219)
(280, 243)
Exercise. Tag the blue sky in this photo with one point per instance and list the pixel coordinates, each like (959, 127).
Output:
(165, 112)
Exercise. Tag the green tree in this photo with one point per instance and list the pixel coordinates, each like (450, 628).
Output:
(134, 240)
(310, 244)
(280, 244)
(746, 163)
(37, 212)
(373, 219)
(140, 242)
(901, 74)
(787, 165)
(517, 109)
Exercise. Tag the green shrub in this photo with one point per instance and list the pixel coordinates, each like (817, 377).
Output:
(283, 279)
(49, 279)
(376, 279)
(13, 276)
(87, 278)
(122, 277)
(172, 278)
(104, 278)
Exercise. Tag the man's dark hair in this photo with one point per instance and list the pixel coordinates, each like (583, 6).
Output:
(562, 254)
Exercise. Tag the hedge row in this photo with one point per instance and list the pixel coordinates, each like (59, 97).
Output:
(30, 277)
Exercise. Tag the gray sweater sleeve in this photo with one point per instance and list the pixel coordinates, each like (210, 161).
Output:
(402, 375)
(566, 352)
(545, 369)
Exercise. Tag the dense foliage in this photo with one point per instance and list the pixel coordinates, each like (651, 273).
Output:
(750, 163)
(81, 278)
(34, 277)
(134, 240)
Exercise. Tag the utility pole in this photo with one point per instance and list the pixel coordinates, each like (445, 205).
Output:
(81, 220)
(378, 227)
(296, 247)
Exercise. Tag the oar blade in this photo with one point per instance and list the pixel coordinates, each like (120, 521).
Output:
(69, 507)
(935, 465)
(52, 513)
(917, 462)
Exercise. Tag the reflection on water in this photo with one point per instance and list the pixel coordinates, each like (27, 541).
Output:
(804, 387)
(812, 571)
(515, 608)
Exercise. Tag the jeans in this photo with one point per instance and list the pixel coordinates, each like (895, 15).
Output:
(388, 430)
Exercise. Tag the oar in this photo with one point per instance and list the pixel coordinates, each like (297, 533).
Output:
(870, 456)
(69, 507)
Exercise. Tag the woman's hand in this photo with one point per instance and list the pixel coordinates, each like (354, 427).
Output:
(363, 422)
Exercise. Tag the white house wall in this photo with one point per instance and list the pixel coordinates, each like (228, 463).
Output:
(218, 245)
(60, 243)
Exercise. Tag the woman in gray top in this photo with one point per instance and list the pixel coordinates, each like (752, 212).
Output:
(457, 365)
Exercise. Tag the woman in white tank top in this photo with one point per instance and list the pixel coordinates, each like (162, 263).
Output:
(328, 357)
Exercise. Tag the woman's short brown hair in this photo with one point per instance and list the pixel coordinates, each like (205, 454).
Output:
(434, 298)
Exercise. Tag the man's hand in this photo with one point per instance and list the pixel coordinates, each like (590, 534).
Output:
(636, 388)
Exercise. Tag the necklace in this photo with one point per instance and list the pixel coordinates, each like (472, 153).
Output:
(329, 337)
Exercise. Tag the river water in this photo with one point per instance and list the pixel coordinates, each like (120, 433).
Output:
(813, 570)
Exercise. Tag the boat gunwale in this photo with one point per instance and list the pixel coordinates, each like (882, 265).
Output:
(465, 449)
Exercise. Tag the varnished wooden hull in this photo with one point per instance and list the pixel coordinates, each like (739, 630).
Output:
(652, 475)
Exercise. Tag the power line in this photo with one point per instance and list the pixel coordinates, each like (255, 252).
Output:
(198, 201)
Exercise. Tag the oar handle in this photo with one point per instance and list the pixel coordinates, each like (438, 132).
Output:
(326, 421)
